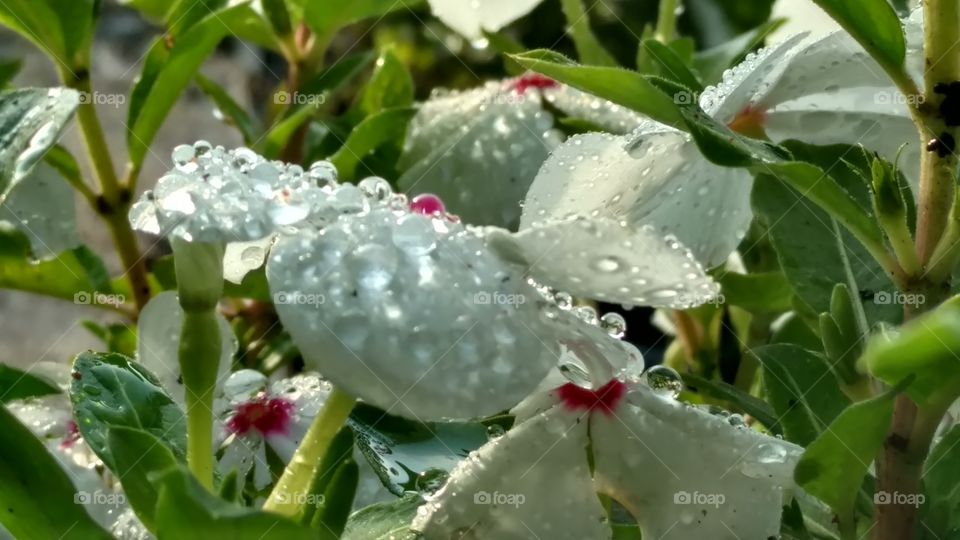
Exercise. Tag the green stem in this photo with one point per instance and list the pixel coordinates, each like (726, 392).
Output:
(667, 21)
(290, 493)
(199, 357)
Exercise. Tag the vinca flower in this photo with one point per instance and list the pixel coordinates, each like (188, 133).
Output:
(656, 176)
(471, 18)
(680, 471)
(480, 149)
(398, 302)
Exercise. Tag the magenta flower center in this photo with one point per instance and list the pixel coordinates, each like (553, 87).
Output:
(604, 399)
(264, 414)
(72, 436)
(533, 80)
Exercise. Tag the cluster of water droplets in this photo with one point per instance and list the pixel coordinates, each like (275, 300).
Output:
(213, 194)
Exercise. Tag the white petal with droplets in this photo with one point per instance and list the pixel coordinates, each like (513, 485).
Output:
(532, 482)
(479, 151)
(605, 260)
(684, 473)
(413, 314)
(600, 112)
(471, 17)
(241, 258)
(158, 343)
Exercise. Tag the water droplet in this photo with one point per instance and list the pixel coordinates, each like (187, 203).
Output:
(495, 431)
(563, 300)
(664, 381)
(614, 324)
(607, 264)
(375, 188)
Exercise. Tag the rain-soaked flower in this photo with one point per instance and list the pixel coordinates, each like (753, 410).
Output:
(471, 18)
(680, 471)
(403, 305)
(656, 176)
(480, 149)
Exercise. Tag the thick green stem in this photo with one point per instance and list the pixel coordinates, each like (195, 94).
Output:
(667, 20)
(289, 496)
(199, 358)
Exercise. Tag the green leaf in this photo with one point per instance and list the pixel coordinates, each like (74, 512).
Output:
(389, 126)
(136, 456)
(186, 511)
(9, 70)
(390, 86)
(815, 253)
(164, 79)
(746, 403)
(37, 497)
(926, 348)
(16, 384)
(802, 389)
(325, 18)
(873, 23)
(941, 476)
(73, 275)
(118, 337)
(337, 455)
(338, 500)
(36, 21)
(412, 456)
(276, 138)
(76, 18)
(589, 49)
(621, 86)
(670, 65)
(156, 10)
(42, 207)
(384, 521)
(109, 390)
(834, 465)
(712, 62)
(761, 292)
(32, 120)
(232, 111)
(279, 17)
(844, 330)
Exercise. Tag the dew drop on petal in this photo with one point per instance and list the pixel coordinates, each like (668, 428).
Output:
(664, 381)
(614, 324)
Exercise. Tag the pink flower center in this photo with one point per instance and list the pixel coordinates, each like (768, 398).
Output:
(72, 436)
(427, 204)
(264, 414)
(533, 80)
(605, 399)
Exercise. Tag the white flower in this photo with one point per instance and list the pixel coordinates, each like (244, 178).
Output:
(471, 18)
(681, 472)
(657, 177)
(481, 148)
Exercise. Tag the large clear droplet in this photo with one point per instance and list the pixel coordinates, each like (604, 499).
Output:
(614, 324)
(664, 381)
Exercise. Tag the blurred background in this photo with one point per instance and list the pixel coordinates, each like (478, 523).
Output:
(34, 328)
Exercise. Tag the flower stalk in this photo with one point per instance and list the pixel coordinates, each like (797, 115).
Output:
(667, 21)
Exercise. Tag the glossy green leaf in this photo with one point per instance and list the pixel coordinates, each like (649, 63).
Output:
(670, 65)
(844, 330)
(384, 521)
(136, 456)
(941, 476)
(621, 86)
(927, 349)
(16, 384)
(31, 120)
(165, 79)
(338, 501)
(711, 63)
(109, 390)
(155, 10)
(76, 18)
(408, 455)
(186, 511)
(278, 16)
(37, 497)
(873, 23)
(232, 111)
(744, 402)
(815, 253)
(389, 126)
(760, 292)
(834, 465)
(325, 18)
(337, 455)
(390, 86)
(589, 49)
(118, 337)
(802, 389)
(73, 275)
(276, 138)
(36, 21)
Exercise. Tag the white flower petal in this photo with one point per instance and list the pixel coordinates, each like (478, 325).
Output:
(158, 343)
(600, 112)
(309, 393)
(479, 151)
(684, 473)
(241, 258)
(413, 314)
(471, 17)
(532, 482)
(605, 260)
(656, 176)
(215, 195)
